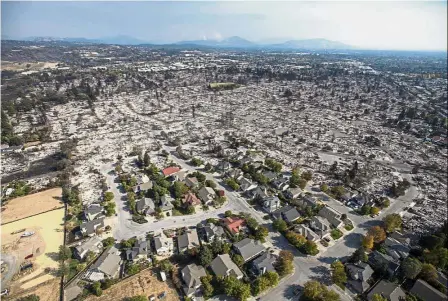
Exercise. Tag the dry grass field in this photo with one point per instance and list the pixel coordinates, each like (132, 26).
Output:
(32, 204)
(48, 291)
(49, 235)
(145, 283)
(15, 66)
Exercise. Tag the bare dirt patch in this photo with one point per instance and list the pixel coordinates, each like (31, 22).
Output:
(43, 245)
(32, 204)
(48, 291)
(145, 283)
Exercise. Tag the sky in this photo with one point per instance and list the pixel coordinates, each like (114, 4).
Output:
(403, 25)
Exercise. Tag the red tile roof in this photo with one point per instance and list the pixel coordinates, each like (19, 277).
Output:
(233, 224)
(170, 170)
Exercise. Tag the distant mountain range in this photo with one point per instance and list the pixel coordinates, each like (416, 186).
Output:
(232, 42)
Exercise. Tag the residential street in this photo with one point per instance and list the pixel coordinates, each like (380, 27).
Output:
(306, 267)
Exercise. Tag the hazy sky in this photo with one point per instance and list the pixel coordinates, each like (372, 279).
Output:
(374, 25)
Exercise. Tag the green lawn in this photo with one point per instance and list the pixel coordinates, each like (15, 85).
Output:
(336, 234)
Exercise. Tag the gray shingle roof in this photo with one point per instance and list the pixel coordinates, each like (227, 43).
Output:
(108, 263)
(425, 291)
(248, 248)
(191, 274)
(222, 265)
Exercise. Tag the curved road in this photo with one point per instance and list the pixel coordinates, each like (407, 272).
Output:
(13, 267)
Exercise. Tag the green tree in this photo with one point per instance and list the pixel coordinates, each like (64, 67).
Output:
(378, 297)
(280, 225)
(437, 257)
(207, 287)
(252, 223)
(367, 242)
(411, 267)
(205, 256)
(232, 184)
(312, 290)
(365, 209)
(392, 222)
(338, 274)
(226, 248)
(228, 213)
(166, 265)
(261, 233)
(96, 289)
(428, 273)
(107, 283)
(359, 255)
(310, 248)
(377, 233)
(108, 196)
(324, 187)
(386, 202)
(64, 253)
(108, 242)
(374, 210)
(132, 269)
(210, 183)
(284, 264)
(238, 260)
(179, 189)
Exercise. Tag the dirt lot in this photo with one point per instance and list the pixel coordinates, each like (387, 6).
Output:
(47, 292)
(49, 235)
(32, 204)
(145, 283)
(14, 66)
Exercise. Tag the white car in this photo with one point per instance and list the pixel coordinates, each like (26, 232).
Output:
(4, 292)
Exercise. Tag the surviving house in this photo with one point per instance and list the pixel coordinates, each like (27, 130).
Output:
(288, 213)
(93, 211)
(138, 251)
(91, 228)
(165, 205)
(396, 249)
(320, 226)
(281, 183)
(270, 204)
(246, 184)
(107, 266)
(163, 245)
(384, 261)
(170, 171)
(233, 224)
(264, 263)
(293, 193)
(388, 290)
(93, 244)
(259, 192)
(332, 215)
(188, 240)
(212, 232)
(425, 291)
(248, 248)
(190, 199)
(143, 187)
(207, 195)
(236, 173)
(191, 275)
(145, 206)
(191, 182)
(306, 232)
(270, 175)
(223, 266)
(358, 273)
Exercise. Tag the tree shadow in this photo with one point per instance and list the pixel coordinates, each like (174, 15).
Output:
(322, 274)
(353, 240)
(327, 260)
(53, 255)
(370, 223)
